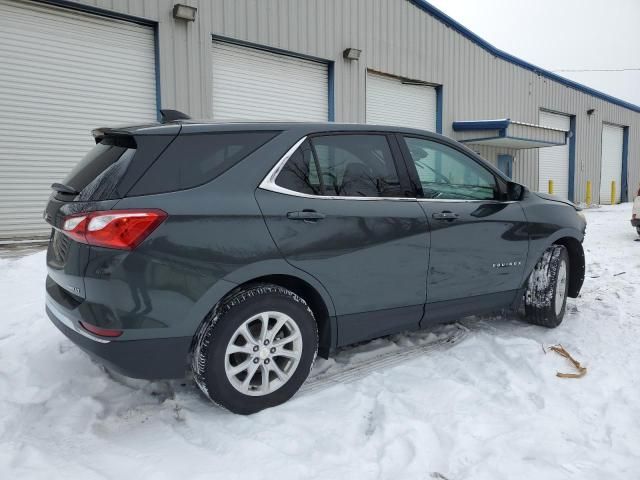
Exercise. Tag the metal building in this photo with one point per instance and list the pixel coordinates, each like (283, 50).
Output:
(69, 66)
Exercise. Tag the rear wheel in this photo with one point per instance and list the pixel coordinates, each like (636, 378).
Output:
(545, 300)
(256, 349)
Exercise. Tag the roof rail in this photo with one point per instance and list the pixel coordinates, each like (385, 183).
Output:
(172, 115)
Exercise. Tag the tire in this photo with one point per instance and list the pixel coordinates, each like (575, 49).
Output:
(545, 300)
(638, 230)
(233, 344)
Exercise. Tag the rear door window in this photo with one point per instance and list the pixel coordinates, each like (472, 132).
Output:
(353, 165)
(195, 159)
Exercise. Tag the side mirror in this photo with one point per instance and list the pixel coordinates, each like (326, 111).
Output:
(515, 191)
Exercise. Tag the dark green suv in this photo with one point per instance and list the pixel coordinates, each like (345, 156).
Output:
(242, 250)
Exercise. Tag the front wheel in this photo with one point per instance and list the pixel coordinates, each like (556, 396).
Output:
(256, 349)
(545, 300)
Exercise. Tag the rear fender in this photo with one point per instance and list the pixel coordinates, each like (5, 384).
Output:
(247, 274)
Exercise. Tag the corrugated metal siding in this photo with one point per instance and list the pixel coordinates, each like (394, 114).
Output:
(61, 74)
(397, 38)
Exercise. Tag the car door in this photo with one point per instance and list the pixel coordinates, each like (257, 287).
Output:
(479, 243)
(336, 207)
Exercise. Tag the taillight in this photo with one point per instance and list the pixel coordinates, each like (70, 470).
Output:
(102, 332)
(120, 229)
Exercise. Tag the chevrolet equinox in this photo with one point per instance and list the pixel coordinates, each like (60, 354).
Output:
(239, 251)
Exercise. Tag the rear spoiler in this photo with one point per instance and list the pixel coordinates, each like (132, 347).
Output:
(122, 137)
(125, 132)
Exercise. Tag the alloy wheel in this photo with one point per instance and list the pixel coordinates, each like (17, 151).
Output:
(263, 353)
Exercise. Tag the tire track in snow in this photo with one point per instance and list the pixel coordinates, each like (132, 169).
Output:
(358, 370)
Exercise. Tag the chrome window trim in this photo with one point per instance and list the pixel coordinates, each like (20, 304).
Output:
(269, 183)
(460, 200)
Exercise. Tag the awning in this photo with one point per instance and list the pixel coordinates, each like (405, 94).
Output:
(508, 134)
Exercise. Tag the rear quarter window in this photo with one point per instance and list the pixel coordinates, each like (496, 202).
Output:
(97, 160)
(195, 159)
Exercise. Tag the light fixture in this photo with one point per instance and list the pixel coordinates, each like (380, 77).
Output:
(351, 53)
(184, 12)
(590, 111)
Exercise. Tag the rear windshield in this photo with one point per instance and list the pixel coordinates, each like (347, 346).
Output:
(99, 159)
(195, 159)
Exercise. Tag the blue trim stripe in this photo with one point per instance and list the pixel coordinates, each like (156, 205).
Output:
(624, 190)
(99, 11)
(572, 157)
(439, 109)
(156, 45)
(331, 93)
(447, 20)
(467, 125)
(267, 48)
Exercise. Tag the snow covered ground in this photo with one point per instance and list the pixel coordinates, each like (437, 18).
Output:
(487, 406)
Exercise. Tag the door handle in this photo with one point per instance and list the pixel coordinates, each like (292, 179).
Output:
(306, 215)
(445, 216)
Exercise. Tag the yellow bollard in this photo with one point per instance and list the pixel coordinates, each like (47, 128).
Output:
(550, 187)
(613, 192)
(588, 192)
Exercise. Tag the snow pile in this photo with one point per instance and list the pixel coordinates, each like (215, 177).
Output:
(488, 406)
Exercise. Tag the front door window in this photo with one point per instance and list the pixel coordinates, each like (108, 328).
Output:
(446, 173)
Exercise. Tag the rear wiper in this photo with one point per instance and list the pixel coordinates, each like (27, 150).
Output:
(62, 188)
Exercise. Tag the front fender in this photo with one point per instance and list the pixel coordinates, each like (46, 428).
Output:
(572, 240)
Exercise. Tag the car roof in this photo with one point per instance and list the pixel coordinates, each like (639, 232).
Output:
(299, 129)
(303, 128)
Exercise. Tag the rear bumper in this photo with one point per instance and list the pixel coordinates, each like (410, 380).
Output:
(148, 359)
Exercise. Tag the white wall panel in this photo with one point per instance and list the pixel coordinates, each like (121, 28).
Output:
(611, 162)
(392, 102)
(62, 73)
(251, 84)
(554, 161)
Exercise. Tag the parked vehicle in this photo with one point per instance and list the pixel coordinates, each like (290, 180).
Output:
(635, 213)
(242, 250)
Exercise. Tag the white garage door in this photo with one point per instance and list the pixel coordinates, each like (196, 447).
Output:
(553, 162)
(252, 84)
(391, 102)
(62, 73)
(611, 166)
